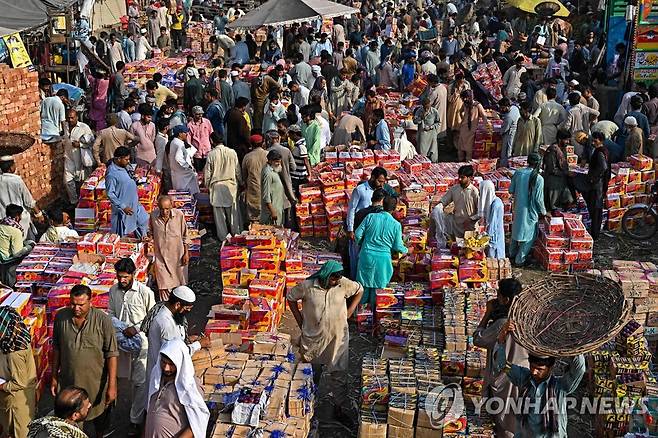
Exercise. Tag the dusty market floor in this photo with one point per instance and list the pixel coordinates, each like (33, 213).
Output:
(205, 281)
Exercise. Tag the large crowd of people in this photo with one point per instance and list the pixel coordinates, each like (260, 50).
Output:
(252, 152)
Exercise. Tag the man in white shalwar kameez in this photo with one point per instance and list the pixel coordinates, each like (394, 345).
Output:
(130, 302)
(166, 321)
(183, 175)
(328, 300)
(80, 141)
(14, 191)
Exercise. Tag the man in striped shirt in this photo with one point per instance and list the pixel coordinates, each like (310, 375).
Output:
(300, 175)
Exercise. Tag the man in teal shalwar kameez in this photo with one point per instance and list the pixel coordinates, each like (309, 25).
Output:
(379, 235)
(528, 190)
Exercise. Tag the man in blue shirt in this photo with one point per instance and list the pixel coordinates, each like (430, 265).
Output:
(216, 111)
(53, 116)
(128, 47)
(543, 394)
(382, 134)
(128, 215)
(450, 45)
(239, 52)
(219, 23)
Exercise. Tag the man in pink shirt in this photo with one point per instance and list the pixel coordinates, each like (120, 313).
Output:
(145, 132)
(199, 135)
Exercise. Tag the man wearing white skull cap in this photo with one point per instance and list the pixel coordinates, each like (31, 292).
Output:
(167, 321)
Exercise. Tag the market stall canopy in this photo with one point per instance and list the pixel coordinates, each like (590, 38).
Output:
(280, 12)
(19, 15)
(539, 6)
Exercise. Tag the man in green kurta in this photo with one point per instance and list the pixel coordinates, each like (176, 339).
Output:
(85, 355)
(271, 190)
(528, 135)
(17, 369)
(379, 235)
(312, 132)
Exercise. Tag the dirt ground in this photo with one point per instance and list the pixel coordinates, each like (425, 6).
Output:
(206, 282)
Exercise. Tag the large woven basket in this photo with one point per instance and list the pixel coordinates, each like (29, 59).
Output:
(566, 315)
(12, 143)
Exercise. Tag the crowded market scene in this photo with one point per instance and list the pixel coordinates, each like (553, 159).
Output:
(307, 218)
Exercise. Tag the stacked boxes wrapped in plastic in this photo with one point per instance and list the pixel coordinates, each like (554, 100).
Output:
(254, 280)
(254, 386)
(630, 183)
(620, 370)
(563, 243)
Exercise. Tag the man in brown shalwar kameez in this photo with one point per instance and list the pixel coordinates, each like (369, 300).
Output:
(170, 244)
(85, 355)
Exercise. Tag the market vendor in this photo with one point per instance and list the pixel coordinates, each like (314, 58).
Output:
(465, 197)
(538, 384)
(328, 300)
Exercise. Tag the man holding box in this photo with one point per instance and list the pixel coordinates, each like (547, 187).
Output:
(128, 215)
(328, 300)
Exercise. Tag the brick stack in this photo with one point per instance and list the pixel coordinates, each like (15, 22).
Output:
(20, 113)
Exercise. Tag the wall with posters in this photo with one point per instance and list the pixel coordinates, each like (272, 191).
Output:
(645, 55)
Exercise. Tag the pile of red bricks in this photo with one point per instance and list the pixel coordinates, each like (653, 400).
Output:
(41, 166)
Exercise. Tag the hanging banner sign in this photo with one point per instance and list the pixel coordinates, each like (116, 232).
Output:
(17, 52)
